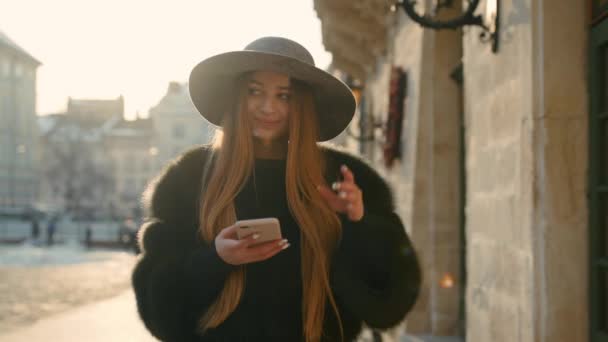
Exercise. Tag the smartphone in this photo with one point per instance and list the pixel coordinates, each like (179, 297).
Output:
(268, 228)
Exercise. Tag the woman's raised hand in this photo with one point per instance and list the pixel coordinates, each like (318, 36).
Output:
(238, 252)
(348, 200)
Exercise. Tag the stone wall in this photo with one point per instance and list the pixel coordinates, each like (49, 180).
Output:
(498, 107)
(407, 54)
(426, 178)
(443, 248)
(526, 208)
(526, 141)
(409, 57)
(19, 134)
(560, 141)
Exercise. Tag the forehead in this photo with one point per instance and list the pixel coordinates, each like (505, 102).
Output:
(270, 78)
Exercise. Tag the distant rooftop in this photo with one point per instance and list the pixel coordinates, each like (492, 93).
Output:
(131, 128)
(6, 41)
(91, 113)
(175, 102)
(100, 107)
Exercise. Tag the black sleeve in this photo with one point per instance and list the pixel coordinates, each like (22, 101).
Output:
(177, 276)
(375, 270)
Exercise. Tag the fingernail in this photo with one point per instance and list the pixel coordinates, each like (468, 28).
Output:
(285, 247)
(282, 242)
(335, 186)
(342, 194)
(343, 168)
(256, 236)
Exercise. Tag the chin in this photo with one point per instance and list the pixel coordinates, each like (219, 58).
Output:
(267, 135)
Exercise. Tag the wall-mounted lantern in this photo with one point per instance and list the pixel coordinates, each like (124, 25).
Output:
(489, 21)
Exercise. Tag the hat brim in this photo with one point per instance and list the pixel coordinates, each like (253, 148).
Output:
(212, 87)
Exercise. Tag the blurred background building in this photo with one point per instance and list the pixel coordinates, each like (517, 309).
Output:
(498, 173)
(78, 174)
(18, 129)
(97, 163)
(131, 149)
(177, 124)
(88, 162)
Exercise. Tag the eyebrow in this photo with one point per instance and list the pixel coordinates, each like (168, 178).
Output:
(262, 84)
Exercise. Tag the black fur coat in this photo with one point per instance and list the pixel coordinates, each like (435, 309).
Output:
(375, 274)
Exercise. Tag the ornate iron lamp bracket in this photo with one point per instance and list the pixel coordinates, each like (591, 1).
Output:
(489, 24)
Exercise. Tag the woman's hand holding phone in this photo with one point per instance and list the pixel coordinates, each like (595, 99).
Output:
(247, 250)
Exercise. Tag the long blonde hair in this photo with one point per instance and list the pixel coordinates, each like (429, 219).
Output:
(233, 159)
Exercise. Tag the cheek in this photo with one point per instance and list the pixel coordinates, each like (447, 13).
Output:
(251, 106)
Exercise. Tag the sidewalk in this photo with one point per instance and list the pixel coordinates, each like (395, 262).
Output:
(110, 320)
(114, 319)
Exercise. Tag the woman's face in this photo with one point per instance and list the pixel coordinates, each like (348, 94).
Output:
(267, 103)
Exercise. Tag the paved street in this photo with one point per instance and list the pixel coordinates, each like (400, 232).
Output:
(67, 293)
(39, 283)
(114, 319)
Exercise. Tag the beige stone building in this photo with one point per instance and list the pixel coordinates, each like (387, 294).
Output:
(497, 159)
(130, 145)
(97, 164)
(77, 164)
(177, 124)
(18, 128)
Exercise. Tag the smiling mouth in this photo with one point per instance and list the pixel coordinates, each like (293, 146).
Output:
(267, 122)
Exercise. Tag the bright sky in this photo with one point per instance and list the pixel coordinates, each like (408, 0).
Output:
(102, 49)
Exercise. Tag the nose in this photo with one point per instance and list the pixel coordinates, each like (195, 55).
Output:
(268, 105)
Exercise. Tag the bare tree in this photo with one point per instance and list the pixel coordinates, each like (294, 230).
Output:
(77, 171)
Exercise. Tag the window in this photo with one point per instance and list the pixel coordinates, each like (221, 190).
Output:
(18, 70)
(145, 165)
(4, 67)
(129, 186)
(179, 131)
(129, 163)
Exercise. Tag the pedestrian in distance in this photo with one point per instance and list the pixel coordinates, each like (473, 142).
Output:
(343, 259)
(88, 236)
(51, 228)
(35, 233)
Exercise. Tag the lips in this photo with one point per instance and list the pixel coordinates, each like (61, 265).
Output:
(267, 122)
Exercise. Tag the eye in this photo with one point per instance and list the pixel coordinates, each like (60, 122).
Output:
(284, 96)
(254, 91)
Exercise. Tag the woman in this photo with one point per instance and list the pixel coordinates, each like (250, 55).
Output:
(345, 259)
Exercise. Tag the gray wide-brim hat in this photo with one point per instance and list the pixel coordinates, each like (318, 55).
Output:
(212, 82)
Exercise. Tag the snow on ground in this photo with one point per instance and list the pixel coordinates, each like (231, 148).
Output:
(37, 282)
